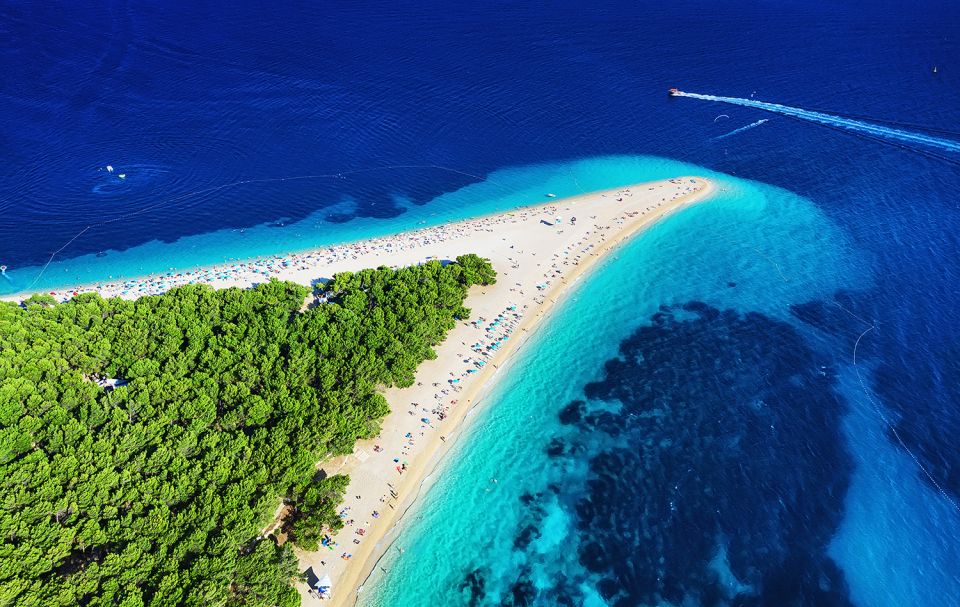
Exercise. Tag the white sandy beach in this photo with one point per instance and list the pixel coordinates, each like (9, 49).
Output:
(537, 259)
(537, 251)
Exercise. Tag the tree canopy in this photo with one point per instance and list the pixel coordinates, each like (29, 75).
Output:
(152, 490)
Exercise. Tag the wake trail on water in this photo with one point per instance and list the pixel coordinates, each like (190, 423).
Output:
(831, 120)
(741, 129)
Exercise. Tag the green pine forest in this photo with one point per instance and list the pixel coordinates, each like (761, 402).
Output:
(154, 492)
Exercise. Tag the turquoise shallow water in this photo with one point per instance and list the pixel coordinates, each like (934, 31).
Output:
(753, 248)
(899, 535)
(502, 190)
(776, 248)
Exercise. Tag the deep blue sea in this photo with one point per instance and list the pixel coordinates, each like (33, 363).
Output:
(756, 403)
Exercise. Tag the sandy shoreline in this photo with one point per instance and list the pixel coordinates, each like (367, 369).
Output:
(565, 252)
(300, 266)
(538, 251)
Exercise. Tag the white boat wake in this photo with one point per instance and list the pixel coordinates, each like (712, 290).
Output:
(742, 129)
(857, 126)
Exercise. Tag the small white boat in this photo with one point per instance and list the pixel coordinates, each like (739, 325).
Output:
(551, 195)
(109, 168)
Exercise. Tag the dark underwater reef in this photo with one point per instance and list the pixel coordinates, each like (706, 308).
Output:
(716, 471)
